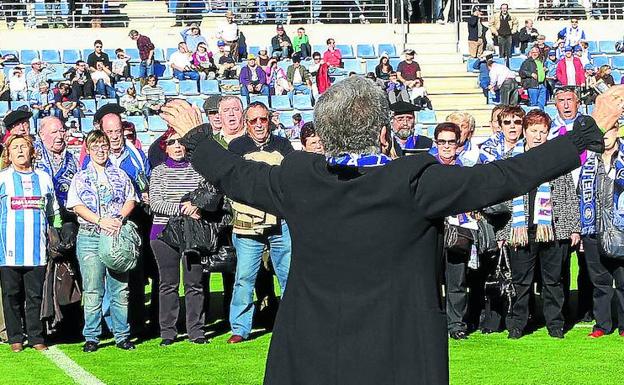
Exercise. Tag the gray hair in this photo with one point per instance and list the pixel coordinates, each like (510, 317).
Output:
(349, 117)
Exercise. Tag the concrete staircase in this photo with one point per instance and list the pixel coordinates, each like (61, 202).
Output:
(451, 88)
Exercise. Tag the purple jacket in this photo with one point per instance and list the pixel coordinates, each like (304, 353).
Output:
(245, 75)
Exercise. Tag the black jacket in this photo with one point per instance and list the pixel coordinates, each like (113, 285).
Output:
(245, 145)
(363, 303)
(473, 28)
(528, 67)
(525, 37)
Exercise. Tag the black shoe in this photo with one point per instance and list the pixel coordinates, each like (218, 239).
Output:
(556, 333)
(126, 345)
(199, 341)
(514, 334)
(459, 335)
(90, 347)
(166, 342)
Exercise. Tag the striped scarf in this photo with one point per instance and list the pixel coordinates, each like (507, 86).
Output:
(542, 213)
(358, 160)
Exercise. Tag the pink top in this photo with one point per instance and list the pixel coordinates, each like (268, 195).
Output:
(333, 58)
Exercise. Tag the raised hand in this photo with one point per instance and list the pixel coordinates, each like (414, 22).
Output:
(609, 107)
(181, 116)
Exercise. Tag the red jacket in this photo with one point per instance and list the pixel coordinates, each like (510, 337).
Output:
(562, 75)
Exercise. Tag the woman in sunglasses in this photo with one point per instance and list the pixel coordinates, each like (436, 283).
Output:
(510, 122)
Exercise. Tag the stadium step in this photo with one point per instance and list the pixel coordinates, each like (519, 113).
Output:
(453, 101)
(431, 48)
(424, 58)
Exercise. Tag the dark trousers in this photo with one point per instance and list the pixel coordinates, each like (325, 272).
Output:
(585, 288)
(509, 93)
(22, 292)
(602, 272)
(82, 90)
(168, 261)
(456, 291)
(551, 256)
(504, 47)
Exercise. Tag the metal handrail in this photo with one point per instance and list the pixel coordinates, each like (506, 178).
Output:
(606, 9)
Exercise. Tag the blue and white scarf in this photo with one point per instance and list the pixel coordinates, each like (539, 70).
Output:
(358, 160)
(410, 143)
(493, 148)
(542, 213)
(63, 176)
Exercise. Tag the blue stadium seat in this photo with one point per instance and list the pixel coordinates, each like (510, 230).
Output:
(156, 123)
(307, 116)
(169, 86)
(59, 70)
(188, 88)
(4, 107)
(134, 55)
(286, 118)
(197, 101)
(320, 48)
(111, 53)
(607, 46)
(469, 63)
(209, 87)
(394, 62)
(617, 61)
(592, 47)
(243, 100)
(346, 50)
(254, 49)
(88, 106)
(15, 104)
(86, 52)
(515, 63)
(145, 138)
(617, 76)
(427, 117)
(10, 52)
(302, 102)
(365, 51)
(371, 64)
(159, 55)
(390, 49)
(551, 110)
(104, 101)
(280, 102)
(499, 60)
(86, 124)
(51, 56)
(590, 109)
(135, 71)
(229, 83)
(284, 64)
(352, 65)
(27, 55)
(121, 87)
(600, 60)
(138, 121)
(529, 108)
(170, 51)
(259, 98)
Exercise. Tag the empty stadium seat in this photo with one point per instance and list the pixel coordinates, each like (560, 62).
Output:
(51, 56)
(320, 48)
(169, 87)
(167, 73)
(365, 51)
(390, 49)
(188, 88)
(427, 117)
(135, 71)
(15, 104)
(253, 50)
(243, 100)
(104, 101)
(371, 64)
(10, 52)
(617, 76)
(286, 119)
(134, 55)
(284, 64)
(59, 70)
(592, 47)
(280, 102)
(145, 138)
(617, 61)
(607, 46)
(394, 62)
(259, 98)
(86, 124)
(121, 87)
(307, 116)
(551, 110)
(352, 65)
(209, 87)
(27, 55)
(86, 52)
(302, 102)
(600, 60)
(346, 50)
(229, 83)
(156, 123)
(515, 63)
(197, 101)
(138, 121)
(169, 52)
(88, 106)
(4, 107)
(159, 55)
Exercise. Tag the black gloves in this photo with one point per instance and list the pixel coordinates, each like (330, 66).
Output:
(586, 135)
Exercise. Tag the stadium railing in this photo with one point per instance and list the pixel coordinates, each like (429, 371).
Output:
(544, 10)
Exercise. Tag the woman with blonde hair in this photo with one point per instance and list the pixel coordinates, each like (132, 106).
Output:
(604, 74)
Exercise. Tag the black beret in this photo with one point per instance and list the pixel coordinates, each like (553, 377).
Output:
(211, 104)
(111, 108)
(15, 117)
(401, 107)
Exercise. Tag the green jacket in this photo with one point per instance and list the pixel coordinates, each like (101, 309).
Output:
(297, 42)
(305, 74)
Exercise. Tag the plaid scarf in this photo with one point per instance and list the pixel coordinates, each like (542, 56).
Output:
(542, 213)
(358, 160)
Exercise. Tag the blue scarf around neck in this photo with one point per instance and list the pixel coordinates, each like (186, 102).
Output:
(358, 160)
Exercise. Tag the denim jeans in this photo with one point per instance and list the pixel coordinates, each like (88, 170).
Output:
(249, 257)
(245, 92)
(97, 280)
(182, 75)
(104, 89)
(146, 70)
(298, 89)
(537, 96)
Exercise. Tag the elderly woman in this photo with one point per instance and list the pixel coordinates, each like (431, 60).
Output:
(310, 140)
(102, 196)
(467, 152)
(543, 226)
(170, 181)
(601, 192)
(28, 207)
(509, 120)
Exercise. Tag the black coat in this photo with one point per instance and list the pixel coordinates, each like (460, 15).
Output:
(363, 303)
(528, 67)
(473, 28)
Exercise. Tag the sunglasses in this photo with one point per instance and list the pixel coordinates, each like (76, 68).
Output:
(442, 142)
(171, 142)
(261, 119)
(98, 46)
(517, 122)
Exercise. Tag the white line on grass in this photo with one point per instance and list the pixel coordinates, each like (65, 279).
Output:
(71, 368)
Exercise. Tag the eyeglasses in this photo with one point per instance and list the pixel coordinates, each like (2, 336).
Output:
(442, 142)
(98, 46)
(317, 58)
(261, 119)
(171, 142)
(103, 147)
(517, 122)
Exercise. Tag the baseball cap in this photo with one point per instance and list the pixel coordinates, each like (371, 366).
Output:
(35, 61)
(589, 67)
(251, 56)
(578, 48)
(409, 52)
(211, 104)
(220, 43)
(568, 49)
(552, 52)
(280, 27)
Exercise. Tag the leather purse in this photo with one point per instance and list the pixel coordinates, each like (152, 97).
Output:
(499, 287)
(223, 261)
(458, 239)
(610, 237)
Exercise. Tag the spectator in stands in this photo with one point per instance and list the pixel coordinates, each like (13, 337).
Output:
(551, 72)
(263, 57)
(484, 72)
(604, 74)
(476, 32)
(276, 126)
(228, 33)
(545, 225)
(154, 96)
(98, 56)
(503, 83)
(587, 92)
(276, 78)
(572, 35)
(299, 79)
(16, 123)
(503, 26)
(146, 53)
(226, 64)
(295, 130)
(560, 50)
(253, 231)
(493, 148)
(211, 108)
(121, 65)
(301, 44)
(253, 79)
(5, 91)
(80, 79)
(384, 68)
(18, 89)
(181, 65)
(568, 104)
(101, 208)
(418, 95)
(601, 188)
(310, 140)
(380, 83)
(42, 102)
(543, 47)
(204, 62)
(396, 90)
(570, 70)
(101, 77)
(169, 182)
(281, 46)
(533, 75)
(468, 153)
(39, 73)
(510, 122)
(129, 133)
(333, 58)
(403, 129)
(231, 116)
(527, 35)
(66, 103)
(132, 104)
(409, 69)
(192, 37)
(23, 259)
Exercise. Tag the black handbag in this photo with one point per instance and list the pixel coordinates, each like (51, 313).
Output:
(223, 261)
(610, 237)
(499, 286)
(457, 239)
(486, 237)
